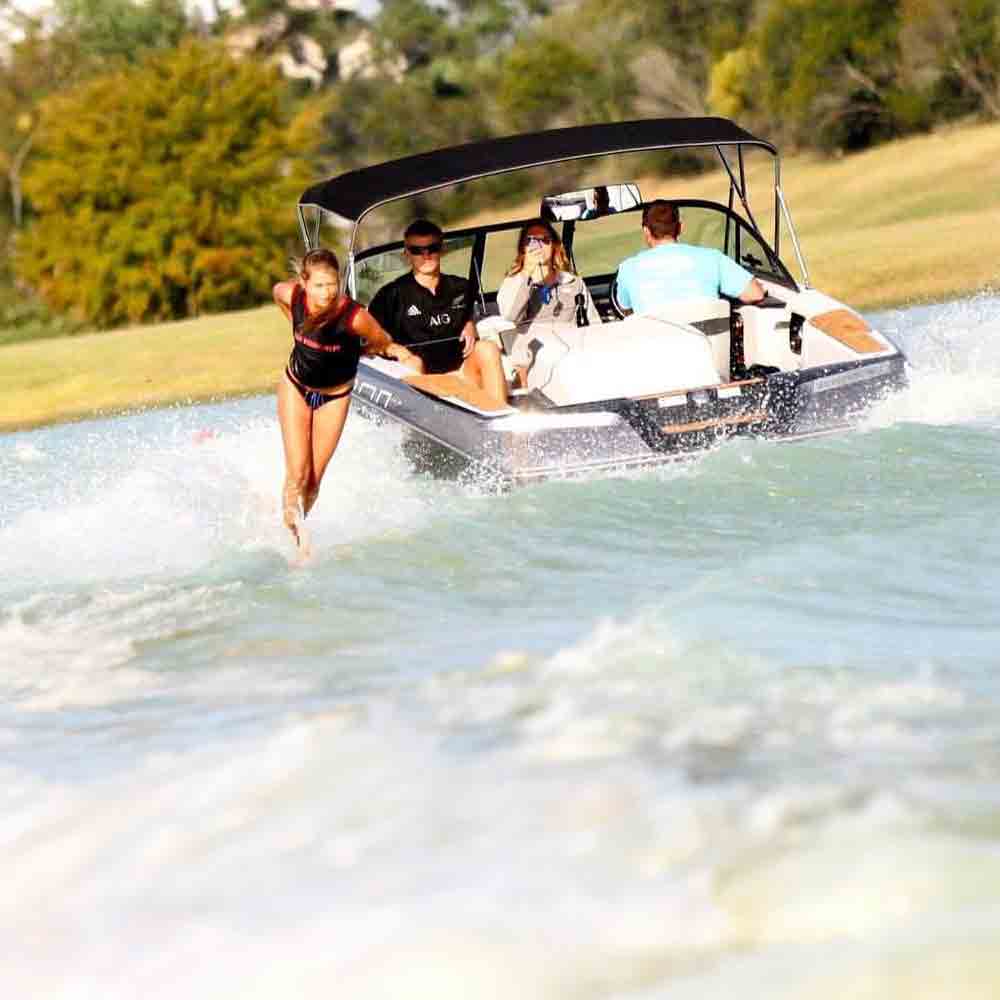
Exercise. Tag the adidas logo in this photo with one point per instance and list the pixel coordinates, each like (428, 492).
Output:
(413, 311)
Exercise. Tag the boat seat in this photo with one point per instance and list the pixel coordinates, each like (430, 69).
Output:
(502, 332)
(635, 357)
(711, 316)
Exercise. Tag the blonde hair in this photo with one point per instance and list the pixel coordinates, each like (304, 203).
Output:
(559, 259)
(321, 257)
(303, 268)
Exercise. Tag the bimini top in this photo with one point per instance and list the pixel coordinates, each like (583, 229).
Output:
(352, 194)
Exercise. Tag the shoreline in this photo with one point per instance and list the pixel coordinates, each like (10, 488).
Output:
(181, 397)
(131, 410)
(95, 376)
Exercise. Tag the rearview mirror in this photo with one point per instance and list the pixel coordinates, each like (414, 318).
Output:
(590, 203)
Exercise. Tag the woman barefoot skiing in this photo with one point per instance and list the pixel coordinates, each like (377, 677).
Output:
(330, 333)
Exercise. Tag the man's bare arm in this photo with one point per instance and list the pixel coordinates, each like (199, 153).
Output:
(754, 292)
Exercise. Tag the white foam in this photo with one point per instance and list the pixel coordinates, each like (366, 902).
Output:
(940, 957)
(137, 506)
(364, 846)
(954, 356)
(855, 883)
(63, 651)
(394, 876)
(588, 805)
(29, 453)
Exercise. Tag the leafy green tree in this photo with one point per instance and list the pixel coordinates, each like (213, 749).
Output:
(830, 71)
(431, 81)
(83, 38)
(733, 84)
(960, 39)
(547, 81)
(424, 30)
(165, 189)
(111, 29)
(540, 81)
(418, 31)
(693, 29)
(35, 65)
(668, 46)
(370, 121)
(34, 62)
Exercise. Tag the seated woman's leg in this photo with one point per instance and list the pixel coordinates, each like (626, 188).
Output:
(484, 367)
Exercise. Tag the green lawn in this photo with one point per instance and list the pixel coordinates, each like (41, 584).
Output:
(214, 357)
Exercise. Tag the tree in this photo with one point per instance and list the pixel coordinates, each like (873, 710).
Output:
(670, 45)
(165, 189)
(546, 81)
(961, 40)
(540, 80)
(429, 81)
(122, 29)
(734, 83)
(301, 36)
(830, 70)
(83, 39)
(35, 65)
(424, 30)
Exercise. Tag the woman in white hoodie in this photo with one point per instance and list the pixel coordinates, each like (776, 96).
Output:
(541, 294)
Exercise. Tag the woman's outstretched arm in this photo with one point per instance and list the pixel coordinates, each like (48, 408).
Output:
(377, 341)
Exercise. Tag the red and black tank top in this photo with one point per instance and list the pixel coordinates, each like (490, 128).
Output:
(326, 356)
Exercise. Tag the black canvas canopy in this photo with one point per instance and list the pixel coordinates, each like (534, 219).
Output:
(352, 194)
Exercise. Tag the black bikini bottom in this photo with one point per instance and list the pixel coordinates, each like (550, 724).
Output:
(313, 399)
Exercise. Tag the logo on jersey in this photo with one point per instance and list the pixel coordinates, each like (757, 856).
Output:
(440, 319)
(413, 311)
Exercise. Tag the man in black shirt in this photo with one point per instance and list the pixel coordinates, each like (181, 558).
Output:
(431, 313)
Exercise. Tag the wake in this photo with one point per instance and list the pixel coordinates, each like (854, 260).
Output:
(954, 356)
(175, 493)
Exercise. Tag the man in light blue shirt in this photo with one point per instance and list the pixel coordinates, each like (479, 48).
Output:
(669, 271)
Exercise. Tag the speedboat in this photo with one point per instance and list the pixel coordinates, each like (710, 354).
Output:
(634, 390)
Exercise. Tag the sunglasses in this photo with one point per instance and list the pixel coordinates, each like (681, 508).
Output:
(427, 250)
(541, 240)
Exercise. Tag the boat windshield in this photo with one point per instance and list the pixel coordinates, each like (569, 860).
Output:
(383, 266)
(600, 245)
(596, 248)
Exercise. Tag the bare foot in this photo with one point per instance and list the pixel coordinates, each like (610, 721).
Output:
(294, 518)
(303, 542)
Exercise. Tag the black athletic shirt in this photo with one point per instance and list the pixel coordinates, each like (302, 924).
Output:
(428, 324)
(328, 356)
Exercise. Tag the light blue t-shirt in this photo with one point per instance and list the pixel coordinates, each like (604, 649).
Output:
(661, 275)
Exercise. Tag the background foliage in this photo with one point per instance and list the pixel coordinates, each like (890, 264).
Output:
(150, 158)
(163, 189)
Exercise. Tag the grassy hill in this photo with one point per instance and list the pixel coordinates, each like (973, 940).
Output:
(214, 357)
(913, 221)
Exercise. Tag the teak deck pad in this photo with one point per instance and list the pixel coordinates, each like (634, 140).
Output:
(757, 417)
(850, 330)
(456, 388)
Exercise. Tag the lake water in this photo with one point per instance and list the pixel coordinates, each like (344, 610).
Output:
(730, 729)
